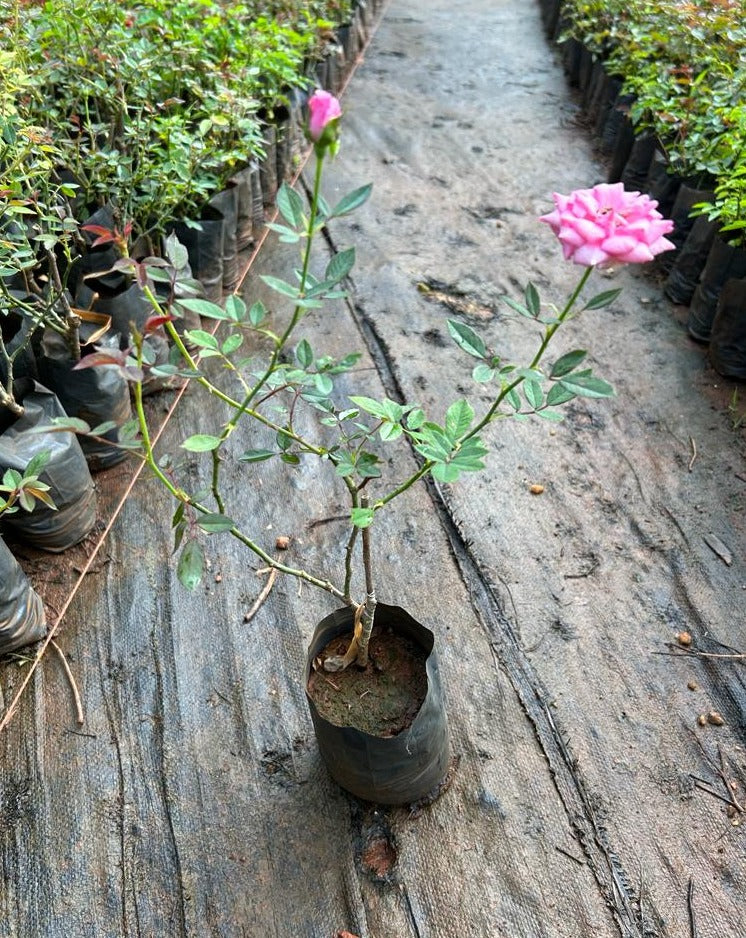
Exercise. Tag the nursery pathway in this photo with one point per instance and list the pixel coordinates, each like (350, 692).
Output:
(589, 802)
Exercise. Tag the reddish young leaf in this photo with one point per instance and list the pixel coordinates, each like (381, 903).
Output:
(105, 235)
(155, 322)
(101, 358)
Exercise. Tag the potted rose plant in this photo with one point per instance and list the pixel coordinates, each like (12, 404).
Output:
(399, 756)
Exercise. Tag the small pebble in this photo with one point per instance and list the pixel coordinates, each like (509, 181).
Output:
(282, 542)
(715, 718)
(684, 638)
(702, 719)
(693, 685)
(536, 489)
(218, 577)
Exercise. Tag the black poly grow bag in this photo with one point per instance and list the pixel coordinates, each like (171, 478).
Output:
(724, 262)
(96, 395)
(690, 261)
(205, 248)
(22, 619)
(728, 338)
(394, 769)
(66, 473)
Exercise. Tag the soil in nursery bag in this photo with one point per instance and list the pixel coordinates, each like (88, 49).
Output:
(381, 699)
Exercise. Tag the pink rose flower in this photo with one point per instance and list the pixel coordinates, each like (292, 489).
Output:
(324, 109)
(605, 226)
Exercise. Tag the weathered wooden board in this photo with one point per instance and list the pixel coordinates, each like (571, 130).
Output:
(192, 801)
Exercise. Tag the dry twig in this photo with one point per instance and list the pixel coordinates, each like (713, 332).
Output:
(71, 679)
(262, 596)
(694, 453)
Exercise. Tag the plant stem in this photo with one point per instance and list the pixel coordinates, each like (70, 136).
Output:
(370, 596)
(72, 320)
(184, 497)
(548, 334)
(350, 548)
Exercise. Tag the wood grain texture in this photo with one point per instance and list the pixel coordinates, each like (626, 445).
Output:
(193, 802)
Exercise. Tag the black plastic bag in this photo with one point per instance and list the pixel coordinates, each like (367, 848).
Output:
(724, 262)
(386, 769)
(690, 261)
(66, 473)
(22, 619)
(97, 395)
(728, 338)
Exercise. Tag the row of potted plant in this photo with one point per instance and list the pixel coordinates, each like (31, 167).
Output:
(663, 84)
(67, 285)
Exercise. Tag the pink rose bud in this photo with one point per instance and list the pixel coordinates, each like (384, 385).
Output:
(605, 226)
(324, 108)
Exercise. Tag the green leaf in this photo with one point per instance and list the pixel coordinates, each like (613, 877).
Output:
(37, 463)
(339, 266)
(362, 517)
(280, 286)
(201, 339)
(290, 205)
(284, 440)
(467, 339)
(104, 428)
(559, 395)
(215, 523)
(351, 201)
(587, 386)
(367, 466)
(602, 299)
(567, 363)
(534, 393)
(459, 417)
(516, 306)
(232, 344)
(369, 406)
(257, 313)
(201, 443)
(533, 303)
(482, 373)
(12, 479)
(433, 443)
(324, 384)
(445, 472)
(235, 308)
(256, 455)
(513, 398)
(553, 415)
(202, 307)
(304, 354)
(290, 458)
(191, 565)
(71, 424)
(390, 431)
(415, 418)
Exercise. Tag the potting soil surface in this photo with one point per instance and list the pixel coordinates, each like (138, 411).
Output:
(597, 795)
